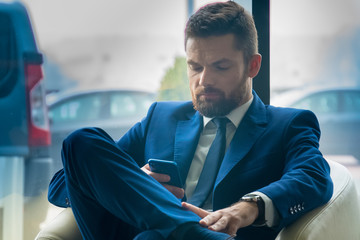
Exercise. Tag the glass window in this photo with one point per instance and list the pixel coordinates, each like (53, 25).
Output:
(320, 103)
(79, 109)
(352, 102)
(122, 106)
(129, 104)
(309, 46)
(312, 50)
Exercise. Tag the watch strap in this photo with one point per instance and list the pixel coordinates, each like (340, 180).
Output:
(260, 220)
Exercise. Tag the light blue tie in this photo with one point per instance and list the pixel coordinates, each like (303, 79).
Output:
(212, 164)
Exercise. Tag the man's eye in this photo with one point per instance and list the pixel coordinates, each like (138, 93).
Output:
(195, 68)
(222, 68)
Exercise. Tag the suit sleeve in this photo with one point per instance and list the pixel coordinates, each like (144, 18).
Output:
(57, 194)
(305, 183)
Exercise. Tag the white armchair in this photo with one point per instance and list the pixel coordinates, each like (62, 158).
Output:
(62, 227)
(338, 219)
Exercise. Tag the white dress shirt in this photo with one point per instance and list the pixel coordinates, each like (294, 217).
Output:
(207, 136)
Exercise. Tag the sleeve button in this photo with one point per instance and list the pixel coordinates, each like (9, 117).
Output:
(295, 209)
(67, 201)
(291, 211)
(299, 208)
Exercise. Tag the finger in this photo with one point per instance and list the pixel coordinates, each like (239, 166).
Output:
(231, 230)
(147, 167)
(210, 219)
(220, 225)
(198, 211)
(162, 178)
(178, 192)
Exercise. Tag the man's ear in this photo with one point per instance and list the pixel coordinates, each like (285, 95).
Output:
(254, 65)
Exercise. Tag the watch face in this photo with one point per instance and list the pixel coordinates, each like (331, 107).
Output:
(250, 198)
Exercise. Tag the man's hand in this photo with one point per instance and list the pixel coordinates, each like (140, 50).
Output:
(163, 179)
(227, 220)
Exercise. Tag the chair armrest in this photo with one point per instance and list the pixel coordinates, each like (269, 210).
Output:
(338, 219)
(62, 227)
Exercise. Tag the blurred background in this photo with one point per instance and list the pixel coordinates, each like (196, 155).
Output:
(138, 45)
(108, 60)
(133, 43)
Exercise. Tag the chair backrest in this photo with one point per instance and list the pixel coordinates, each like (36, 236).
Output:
(338, 219)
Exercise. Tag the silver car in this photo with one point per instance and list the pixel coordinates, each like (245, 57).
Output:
(338, 111)
(114, 110)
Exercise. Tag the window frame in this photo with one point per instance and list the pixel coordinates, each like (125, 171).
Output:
(261, 14)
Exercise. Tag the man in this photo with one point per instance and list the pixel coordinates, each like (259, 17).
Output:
(271, 174)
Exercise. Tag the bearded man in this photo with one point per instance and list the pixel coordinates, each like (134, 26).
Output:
(263, 173)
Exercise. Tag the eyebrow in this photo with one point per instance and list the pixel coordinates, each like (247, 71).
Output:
(223, 60)
(191, 62)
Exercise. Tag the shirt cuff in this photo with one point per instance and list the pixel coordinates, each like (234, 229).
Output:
(271, 214)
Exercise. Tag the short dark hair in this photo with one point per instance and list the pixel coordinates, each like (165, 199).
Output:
(223, 18)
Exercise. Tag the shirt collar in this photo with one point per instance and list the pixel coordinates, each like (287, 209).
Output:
(236, 115)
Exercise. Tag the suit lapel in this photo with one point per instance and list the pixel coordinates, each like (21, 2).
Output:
(249, 130)
(186, 140)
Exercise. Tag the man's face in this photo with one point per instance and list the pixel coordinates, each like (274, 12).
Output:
(218, 76)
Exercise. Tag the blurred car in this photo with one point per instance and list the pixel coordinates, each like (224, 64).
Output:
(25, 164)
(114, 110)
(338, 112)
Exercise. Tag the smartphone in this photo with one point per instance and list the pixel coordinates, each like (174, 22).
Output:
(169, 168)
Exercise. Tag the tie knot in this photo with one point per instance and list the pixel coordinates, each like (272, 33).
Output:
(221, 122)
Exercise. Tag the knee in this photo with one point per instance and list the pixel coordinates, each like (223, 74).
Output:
(86, 136)
(81, 143)
(78, 138)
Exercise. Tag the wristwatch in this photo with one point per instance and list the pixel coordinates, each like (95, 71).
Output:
(260, 221)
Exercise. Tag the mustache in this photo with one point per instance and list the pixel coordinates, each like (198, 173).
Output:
(205, 90)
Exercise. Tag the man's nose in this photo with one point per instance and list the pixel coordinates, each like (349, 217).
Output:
(206, 78)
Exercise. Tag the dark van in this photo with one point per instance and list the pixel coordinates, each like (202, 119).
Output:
(25, 165)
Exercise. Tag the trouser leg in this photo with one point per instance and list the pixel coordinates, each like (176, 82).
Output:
(106, 186)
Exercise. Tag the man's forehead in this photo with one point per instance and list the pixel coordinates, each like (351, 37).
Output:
(212, 49)
(230, 39)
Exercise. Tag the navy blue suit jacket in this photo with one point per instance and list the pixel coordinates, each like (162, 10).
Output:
(274, 151)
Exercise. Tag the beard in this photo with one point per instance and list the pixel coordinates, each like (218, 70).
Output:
(216, 108)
